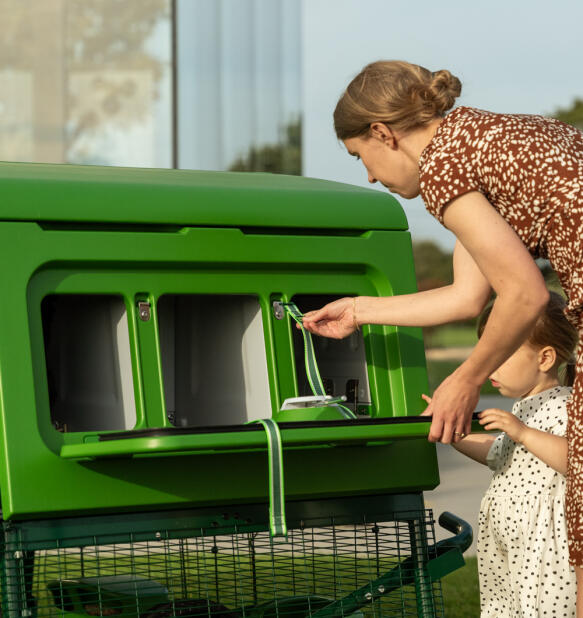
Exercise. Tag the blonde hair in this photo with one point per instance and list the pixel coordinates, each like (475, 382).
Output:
(400, 94)
(551, 329)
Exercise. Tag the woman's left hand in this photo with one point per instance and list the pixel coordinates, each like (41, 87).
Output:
(493, 418)
(451, 407)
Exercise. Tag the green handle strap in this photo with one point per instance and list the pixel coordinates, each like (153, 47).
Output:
(312, 370)
(277, 524)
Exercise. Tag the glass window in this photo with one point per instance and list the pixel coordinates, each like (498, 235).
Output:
(239, 85)
(86, 81)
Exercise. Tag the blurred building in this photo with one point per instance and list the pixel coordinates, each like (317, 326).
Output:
(205, 84)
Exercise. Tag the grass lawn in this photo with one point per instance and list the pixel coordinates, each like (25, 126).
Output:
(460, 591)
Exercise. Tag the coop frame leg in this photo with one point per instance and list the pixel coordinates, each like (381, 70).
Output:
(423, 583)
(17, 578)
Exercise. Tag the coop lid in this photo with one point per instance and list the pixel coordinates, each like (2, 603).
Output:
(91, 194)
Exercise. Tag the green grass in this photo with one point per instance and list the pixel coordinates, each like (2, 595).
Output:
(317, 572)
(461, 593)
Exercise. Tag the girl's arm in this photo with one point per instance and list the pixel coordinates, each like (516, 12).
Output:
(475, 446)
(462, 299)
(547, 447)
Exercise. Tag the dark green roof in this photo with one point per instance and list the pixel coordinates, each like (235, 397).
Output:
(79, 194)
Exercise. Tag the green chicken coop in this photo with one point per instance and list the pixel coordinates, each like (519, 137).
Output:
(159, 410)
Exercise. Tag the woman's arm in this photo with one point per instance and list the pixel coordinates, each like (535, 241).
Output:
(462, 299)
(521, 296)
(475, 446)
(547, 447)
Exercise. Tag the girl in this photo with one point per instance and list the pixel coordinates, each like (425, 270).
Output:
(522, 540)
(510, 187)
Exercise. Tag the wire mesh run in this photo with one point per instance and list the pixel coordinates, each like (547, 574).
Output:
(364, 569)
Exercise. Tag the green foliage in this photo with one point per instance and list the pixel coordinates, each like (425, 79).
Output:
(571, 115)
(282, 158)
(433, 265)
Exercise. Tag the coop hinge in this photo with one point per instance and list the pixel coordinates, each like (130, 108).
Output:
(144, 311)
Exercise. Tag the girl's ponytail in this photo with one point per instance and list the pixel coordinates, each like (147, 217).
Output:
(568, 375)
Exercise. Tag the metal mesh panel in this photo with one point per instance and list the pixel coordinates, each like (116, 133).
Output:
(364, 569)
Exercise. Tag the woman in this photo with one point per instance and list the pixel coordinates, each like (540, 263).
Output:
(510, 187)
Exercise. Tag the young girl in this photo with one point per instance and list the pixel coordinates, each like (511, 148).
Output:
(510, 187)
(523, 561)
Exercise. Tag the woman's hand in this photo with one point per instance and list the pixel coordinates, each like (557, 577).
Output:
(335, 320)
(494, 418)
(452, 406)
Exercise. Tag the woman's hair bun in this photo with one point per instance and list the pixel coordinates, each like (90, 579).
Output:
(445, 89)
(400, 94)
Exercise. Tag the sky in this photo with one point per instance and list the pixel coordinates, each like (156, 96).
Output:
(512, 56)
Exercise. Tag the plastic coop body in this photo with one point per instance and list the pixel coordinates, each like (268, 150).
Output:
(137, 300)
(142, 333)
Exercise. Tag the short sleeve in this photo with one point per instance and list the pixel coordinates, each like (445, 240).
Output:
(494, 456)
(448, 170)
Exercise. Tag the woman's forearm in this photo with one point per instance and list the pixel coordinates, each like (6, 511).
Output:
(507, 328)
(428, 308)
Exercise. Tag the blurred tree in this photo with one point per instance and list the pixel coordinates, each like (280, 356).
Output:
(433, 265)
(282, 158)
(571, 115)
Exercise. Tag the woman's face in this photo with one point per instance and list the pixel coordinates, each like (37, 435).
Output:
(386, 163)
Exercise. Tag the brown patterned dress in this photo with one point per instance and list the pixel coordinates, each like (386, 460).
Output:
(530, 169)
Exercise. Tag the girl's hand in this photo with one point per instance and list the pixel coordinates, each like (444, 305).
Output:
(504, 421)
(334, 320)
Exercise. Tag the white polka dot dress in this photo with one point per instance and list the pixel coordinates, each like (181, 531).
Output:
(523, 558)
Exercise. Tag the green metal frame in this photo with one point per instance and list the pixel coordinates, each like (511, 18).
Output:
(416, 563)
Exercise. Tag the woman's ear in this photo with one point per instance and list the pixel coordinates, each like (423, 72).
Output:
(547, 357)
(384, 133)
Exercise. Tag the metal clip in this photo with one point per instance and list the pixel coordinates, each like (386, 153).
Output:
(278, 310)
(144, 311)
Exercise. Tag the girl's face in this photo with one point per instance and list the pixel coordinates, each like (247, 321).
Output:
(523, 374)
(387, 164)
